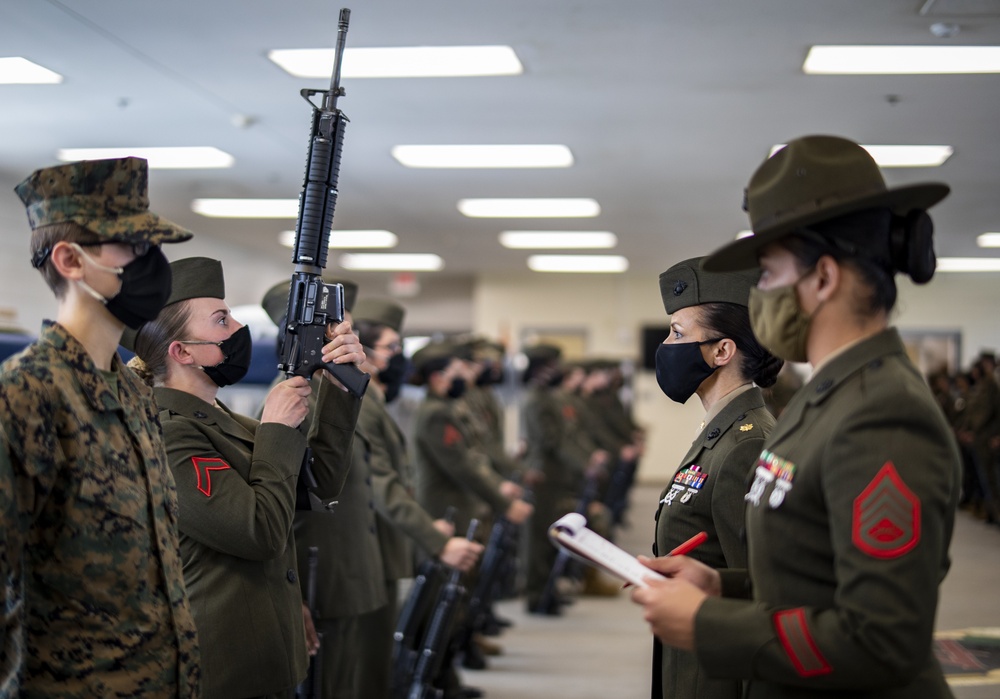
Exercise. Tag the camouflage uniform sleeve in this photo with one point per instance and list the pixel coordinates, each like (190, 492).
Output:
(395, 504)
(447, 447)
(12, 604)
(333, 418)
(879, 632)
(244, 518)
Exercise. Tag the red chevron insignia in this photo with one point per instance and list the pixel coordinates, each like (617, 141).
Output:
(451, 436)
(203, 468)
(886, 520)
(569, 412)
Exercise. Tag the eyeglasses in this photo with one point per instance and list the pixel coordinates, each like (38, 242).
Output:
(392, 347)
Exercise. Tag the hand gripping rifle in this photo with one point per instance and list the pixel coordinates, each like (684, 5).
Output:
(481, 599)
(437, 640)
(414, 615)
(312, 304)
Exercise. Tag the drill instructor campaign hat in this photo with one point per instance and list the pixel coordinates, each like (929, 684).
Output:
(687, 284)
(109, 198)
(814, 179)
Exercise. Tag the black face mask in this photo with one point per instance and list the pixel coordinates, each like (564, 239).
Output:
(237, 350)
(556, 378)
(393, 376)
(680, 369)
(144, 291)
(457, 388)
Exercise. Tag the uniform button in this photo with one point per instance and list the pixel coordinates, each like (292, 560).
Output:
(368, 480)
(824, 387)
(292, 577)
(714, 433)
(372, 529)
(875, 364)
(200, 415)
(371, 505)
(741, 417)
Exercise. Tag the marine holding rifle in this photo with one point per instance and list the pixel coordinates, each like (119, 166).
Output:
(236, 482)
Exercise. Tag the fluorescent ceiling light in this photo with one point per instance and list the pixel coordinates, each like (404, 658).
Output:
(900, 60)
(902, 156)
(15, 70)
(743, 234)
(246, 208)
(989, 240)
(526, 240)
(349, 239)
(483, 156)
(529, 208)
(409, 262)
(401, 62)
(968, 264)
(577, 263)
(184, 157)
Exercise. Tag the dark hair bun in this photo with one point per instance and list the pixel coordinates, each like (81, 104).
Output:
(766, 374)
(912, 245)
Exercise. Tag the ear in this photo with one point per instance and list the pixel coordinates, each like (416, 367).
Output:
(67, 260)
(725, 352)
(178, 352)
(829, 278)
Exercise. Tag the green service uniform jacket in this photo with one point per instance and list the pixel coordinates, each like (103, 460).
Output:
(449, 473)
(236, 488)
(92, 531)
(401, 519)
(349, 576)
(849, 519)
(706, 494)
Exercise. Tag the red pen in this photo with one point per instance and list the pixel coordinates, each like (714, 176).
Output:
(690, 545)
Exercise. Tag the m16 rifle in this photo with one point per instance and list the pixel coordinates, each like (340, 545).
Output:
(438, 639)
(313, 304)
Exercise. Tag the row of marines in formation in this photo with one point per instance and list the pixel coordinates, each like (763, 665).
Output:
(142, 526)
(828, 529)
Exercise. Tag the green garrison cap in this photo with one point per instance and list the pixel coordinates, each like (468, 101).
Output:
(431, 354)
(542, 353)
(688, 284)
(382, 311)
(107, 197)
(810, 180)
(275, 301)
(193, 278)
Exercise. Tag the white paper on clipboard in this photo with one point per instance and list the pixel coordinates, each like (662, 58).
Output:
(570, 533)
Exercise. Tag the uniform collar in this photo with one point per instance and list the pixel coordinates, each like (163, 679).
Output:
(734, 411)
(194, 408)
(93, 385)
(869, 353)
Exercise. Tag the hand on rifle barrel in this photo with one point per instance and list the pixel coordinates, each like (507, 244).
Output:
(461, 553)
(312, 638)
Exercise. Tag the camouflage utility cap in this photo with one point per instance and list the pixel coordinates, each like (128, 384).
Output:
(687, 284)
(107, 197)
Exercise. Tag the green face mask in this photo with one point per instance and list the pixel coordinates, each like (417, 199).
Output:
(779, 323)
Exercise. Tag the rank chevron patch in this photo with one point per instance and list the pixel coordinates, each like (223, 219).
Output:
(886, 519)
(204, 467)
